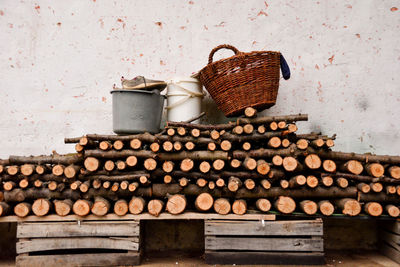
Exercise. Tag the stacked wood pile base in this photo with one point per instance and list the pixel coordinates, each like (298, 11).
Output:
(264, 242)
(253, 163)
(95, 243)
(389, 235)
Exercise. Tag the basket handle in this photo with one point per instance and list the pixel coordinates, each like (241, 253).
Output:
(226, 46)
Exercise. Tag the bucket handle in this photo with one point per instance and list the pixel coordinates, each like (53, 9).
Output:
(189, 94)
(226, 46)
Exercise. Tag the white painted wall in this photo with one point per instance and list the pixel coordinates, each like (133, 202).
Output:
(59, 60)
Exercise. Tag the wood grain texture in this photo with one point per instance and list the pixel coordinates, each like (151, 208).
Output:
(265, 244)
(73, 229)
(269, 228)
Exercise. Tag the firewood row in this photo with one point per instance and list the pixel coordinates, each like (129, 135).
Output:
(254, 162)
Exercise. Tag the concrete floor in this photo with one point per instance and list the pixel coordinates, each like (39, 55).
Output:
(333, 258)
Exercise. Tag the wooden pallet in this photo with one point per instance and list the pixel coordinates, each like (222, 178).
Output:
(89, 243)
(264, 242)
(389, 235)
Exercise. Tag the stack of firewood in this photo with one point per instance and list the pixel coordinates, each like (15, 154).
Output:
(253, 162)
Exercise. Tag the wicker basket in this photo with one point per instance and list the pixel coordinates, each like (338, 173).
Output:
(243, 80)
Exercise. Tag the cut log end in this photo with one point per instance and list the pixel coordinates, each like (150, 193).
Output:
(394, 172)
(290, 164)
(277, 160)
(312, 181)
(349, 207)
(248, 128)
(235, 163)
(222, 206)
(100, 206)
(131, 161)
(82, 207)
(327, 181)
(250, 112)
(326, 208)
(136, 205)
(308, 207)
(375, 169)
(168, 146)
(302, 144)
(168, 166)
(22, 209)
(155, 207)
(187, 165)
(176, 204)
(58, 170)
(392, 211)
(226, 145)
(218, 164)
(121, 207)
(250, 163)
(274, 142)
(27, 169)
(263, 204)
(313, 161)
(373, 209)
(155, 147)
(204, 167)
(239, 206)
(285, 205)
(263, 167)
(109, 165)
(118, 145)
(150, 164)
(91, 164)
(204, 202)
(41, 207)
(354, 167)
(189, 145)
(329, 165)
(135, 143)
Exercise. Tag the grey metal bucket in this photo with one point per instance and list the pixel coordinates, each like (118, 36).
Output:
(137, 111)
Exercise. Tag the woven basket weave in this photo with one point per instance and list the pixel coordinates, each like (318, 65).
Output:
(243, 80)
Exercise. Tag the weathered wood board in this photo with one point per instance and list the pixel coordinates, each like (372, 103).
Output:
(265, 228)
(74, 229)
(264, 244)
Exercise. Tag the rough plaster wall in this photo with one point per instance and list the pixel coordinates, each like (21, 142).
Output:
(59, 60)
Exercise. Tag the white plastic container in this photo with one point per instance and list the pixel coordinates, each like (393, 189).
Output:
(184, 95)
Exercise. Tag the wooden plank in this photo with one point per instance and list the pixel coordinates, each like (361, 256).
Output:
(101, 259)
(389, 237)
(390, 252)
(264, 243)
(392, 226)
(142, 216)
(266, 228)
(72, 229)
(44, 244)
(264, 258)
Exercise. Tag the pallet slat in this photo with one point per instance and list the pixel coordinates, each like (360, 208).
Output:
(392, 226)
(389, 237)
(73, 229)
(251, 258)
(45, 244)
(264, 244)
(266, 228)
(390, 252)
(102, 259)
